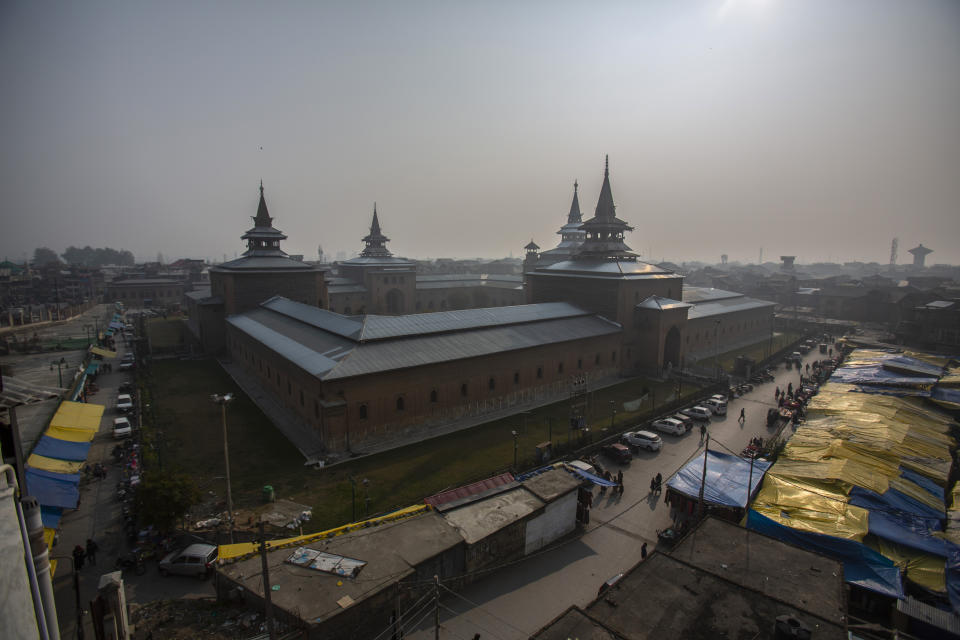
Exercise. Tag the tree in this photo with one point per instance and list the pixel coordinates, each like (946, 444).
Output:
(45, 255)
(162, 498)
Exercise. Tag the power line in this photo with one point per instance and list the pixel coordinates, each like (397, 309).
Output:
(492, 615)
(473, 622)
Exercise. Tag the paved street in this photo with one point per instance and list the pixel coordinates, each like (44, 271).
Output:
(516, 601)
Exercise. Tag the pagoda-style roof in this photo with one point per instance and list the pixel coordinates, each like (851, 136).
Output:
(920, 250)
(605, 231)
(532, 246)
(263, 246)
(376, 242)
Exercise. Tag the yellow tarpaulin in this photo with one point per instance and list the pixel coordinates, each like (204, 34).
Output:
(231, 551)
(48, 535)
(106, 353)
(76, 421)
(54, 465)
(926, 570)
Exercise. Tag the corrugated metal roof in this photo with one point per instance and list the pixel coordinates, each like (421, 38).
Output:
(385, 355)
(628, 268)
(938, 618)
(269, 263)
(346, 288)
(316, 317)
(702, 294)
(659, 303)
(380, 327)
(468, 491)
(727, 305)
(311, 361)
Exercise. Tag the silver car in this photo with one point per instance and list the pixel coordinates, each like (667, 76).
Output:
(195, 560)
(643, 440)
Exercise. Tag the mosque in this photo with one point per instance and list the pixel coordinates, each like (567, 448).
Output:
(593, 313)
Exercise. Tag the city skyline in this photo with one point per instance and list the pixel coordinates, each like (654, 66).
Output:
(818, 129)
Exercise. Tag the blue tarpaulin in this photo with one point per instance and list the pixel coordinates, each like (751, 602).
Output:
(727, 477)
(910, 533)
(946, 394)
(862, 565)
(54, 489)
(62, 449)
(892, 501)
(92, 367)
(51, 516)
(595, 479)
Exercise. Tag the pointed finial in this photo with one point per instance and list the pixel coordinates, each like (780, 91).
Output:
(374, 207)
(606, 166)
(575, 185)
(261, 186)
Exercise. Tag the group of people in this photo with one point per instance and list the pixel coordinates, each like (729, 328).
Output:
(656, 484)
(81, 554)
(617, 490)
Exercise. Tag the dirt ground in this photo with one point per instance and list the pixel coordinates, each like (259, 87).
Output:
(188, 619)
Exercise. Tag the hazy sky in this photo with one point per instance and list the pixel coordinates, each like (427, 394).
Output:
(821, 128)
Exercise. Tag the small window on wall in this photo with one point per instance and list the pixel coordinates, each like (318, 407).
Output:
(362, 411)
(613, 356)
(463, 389)
(433, 395)
(289, 388)
(301, 398)
(516, 377)
(400, 403)
(560, 368)
(491, 384)
(316, 409)
(539, 372)
(579, 363)
(596, 359)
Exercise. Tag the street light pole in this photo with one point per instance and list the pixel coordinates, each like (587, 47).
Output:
(62, 361)
(515, 436)
(613, 413)
(223, 401)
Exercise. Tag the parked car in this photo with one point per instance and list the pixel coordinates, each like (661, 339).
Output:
(124, 403)
(698, 413)
(717, 407)
(122, 428)
(643, 440)
(195, 560)
(619, 452)
(606, 586)
(669, 425)
(686, 420)
(125, 386)
(719, 396)
(127, 365)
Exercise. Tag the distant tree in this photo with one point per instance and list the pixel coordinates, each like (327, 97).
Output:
(90, 257)
(44, 255)
(162, 498)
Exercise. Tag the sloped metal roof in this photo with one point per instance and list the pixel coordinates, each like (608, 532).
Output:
(660, 303)
(702, 294)
(332, 346)
(380, 327)
(726, 305)
(633, 269)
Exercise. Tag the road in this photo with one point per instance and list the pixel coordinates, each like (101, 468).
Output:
(99, 516)
(516, 601)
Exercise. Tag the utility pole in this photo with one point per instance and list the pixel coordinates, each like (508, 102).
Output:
(266, 583)
(703, 479)
(223, 401)
(436, 608)
(753, 456)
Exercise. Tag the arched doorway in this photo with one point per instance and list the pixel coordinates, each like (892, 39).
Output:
(394, 301)
(671, 348)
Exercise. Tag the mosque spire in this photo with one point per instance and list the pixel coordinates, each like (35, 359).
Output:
(376, 242)
(262, 219)
(574, 207)
(605, 207)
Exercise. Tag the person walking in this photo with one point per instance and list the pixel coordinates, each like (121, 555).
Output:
(643, 551)
(703, 432)
(620, 482)
(78, 555)
(659, 483)
(743, 415)
(92, 549)
(776, 394)
(653, 484)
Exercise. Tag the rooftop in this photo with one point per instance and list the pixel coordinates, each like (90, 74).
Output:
(479, 519)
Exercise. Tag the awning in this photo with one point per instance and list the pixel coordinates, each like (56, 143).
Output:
(51, 518)
(62, 449)
(52, 464)
(92, 367)
(116, 325)
(53, 489)
(78, 415)
(727, 477)
(106, 353)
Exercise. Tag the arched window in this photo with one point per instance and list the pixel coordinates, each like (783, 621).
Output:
(491, 384)
(516, 377)
(362, 411)
(463, 389)
(301, 398)
(560, 368)
(596, 359)
(433, 395)
(579, 363)
(613, 356)
(540, 372)
(400, 403)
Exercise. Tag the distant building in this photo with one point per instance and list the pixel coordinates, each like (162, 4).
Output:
(920, 254)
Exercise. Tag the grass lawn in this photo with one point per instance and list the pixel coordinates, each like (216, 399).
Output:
(260, 455)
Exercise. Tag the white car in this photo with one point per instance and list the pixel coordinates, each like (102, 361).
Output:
(686, 420)
(122, 428)
(669, 425)
(124, 403)
(642, 440)
(717, 407)
(698, 413)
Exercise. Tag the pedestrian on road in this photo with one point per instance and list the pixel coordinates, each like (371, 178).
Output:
(92, 549)
(743, 415)
(78, 554)
(659, 483)
(653, 485)
(643, 551)
(703, 432)
(620, 481)
(776, 394)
